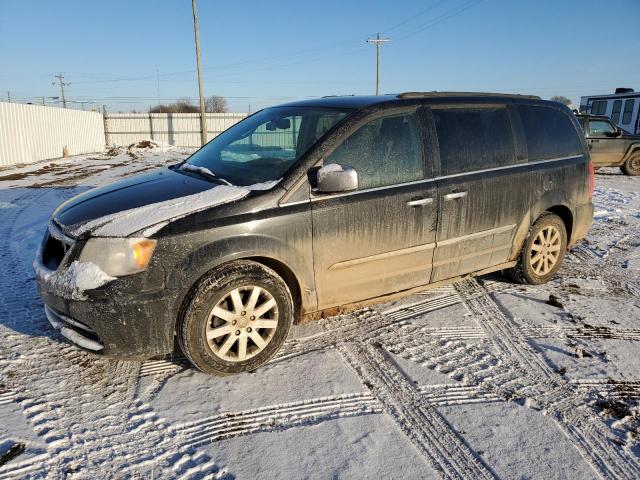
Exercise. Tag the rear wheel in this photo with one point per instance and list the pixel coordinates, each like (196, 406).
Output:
(543, 251)
(632, 165)
(237, 319)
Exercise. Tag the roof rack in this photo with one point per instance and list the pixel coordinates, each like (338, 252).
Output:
(334, 96)
(463, 94)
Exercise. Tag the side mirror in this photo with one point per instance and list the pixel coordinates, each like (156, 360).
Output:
(618, 132)
(334, 178)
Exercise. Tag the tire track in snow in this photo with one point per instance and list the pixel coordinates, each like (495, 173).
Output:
(559, 400)
(23, 469)
(310, 412)
(441, 446)
(276, 418)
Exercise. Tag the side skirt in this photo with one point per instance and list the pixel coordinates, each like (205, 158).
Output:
(350, 307)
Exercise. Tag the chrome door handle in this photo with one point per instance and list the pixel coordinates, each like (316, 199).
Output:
(420, 202)
(453, 196)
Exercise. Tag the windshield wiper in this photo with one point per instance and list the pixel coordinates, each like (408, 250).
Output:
(203, 172)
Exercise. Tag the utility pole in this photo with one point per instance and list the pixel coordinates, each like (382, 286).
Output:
(158, 79)
(8, 96)
(378, 43)
(203, 117)
(61, 83)
(43, 104)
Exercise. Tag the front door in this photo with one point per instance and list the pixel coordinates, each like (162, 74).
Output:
(605, 146)
(380, 238)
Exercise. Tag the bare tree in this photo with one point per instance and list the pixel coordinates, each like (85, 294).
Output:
(561, 99)
(183, 105)
(216, 104)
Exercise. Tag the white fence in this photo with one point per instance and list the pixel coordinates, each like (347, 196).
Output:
(30, 133)
(180, 129)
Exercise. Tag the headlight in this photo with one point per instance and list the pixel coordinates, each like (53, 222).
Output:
(118, 256)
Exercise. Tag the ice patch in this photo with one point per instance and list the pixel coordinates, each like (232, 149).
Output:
(332, 167)
(72, 282)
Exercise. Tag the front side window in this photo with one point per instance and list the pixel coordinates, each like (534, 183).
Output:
(266, 145)
(600, 128)
(615, 113)
(628, 111)
(473, 139)
(550, 133)
(385, 151)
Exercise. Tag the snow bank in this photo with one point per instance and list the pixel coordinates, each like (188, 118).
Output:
(73, 281)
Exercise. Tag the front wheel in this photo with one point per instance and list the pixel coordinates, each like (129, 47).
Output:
(237, 319)
(632, 165)
(542, 252)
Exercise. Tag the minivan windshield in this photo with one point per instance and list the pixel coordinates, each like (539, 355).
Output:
(264, 146)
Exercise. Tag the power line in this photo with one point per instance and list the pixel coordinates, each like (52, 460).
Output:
(412, 17)
(439, 19)
(378, 42)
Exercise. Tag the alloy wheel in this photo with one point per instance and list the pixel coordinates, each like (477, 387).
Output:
(545, 250)
(242, 323)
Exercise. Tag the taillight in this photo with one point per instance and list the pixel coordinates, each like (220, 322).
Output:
(592, 178)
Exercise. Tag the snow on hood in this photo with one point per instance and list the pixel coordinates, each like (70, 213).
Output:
(127, 222)
(154, 216)
(72, 282)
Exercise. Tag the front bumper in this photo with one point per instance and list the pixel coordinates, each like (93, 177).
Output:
(111, 323)
(128, 317)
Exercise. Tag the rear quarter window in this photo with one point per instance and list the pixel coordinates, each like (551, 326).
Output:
(473, 139)
(549, 133)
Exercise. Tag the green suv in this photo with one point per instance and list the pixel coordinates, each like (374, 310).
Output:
(609, 145)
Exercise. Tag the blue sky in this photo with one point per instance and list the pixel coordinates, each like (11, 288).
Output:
(257, 53)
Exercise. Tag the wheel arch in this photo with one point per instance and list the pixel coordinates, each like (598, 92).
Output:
(187, 275)
(560, 209)
(633, 148)
(566, 215)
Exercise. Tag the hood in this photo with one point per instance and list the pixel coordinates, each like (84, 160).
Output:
(133, 192)
(141, 202)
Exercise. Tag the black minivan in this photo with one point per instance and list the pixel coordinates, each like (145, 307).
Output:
(312, 205)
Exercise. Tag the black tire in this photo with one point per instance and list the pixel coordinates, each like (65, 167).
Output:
(632, 165)
(524, 272)
(213, 288)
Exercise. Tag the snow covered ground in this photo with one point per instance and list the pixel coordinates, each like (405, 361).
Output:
(481, 379)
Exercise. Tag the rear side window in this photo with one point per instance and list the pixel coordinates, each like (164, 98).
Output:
(473, 139)
(385, 151)
(628, 111)
(549, 132)
(615, 113)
